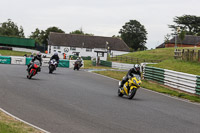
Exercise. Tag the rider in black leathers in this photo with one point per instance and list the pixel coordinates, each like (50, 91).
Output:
(134, 70)
(37, 57)
(56, 57)
(80, 60)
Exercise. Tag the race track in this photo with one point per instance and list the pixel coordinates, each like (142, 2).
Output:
(81, 102)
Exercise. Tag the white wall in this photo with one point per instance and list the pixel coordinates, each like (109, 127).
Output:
(18, 60)
(115, 53)
(82, 51)
(24, 50)
(68, 52)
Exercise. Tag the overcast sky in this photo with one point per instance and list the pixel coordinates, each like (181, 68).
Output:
(99, 17)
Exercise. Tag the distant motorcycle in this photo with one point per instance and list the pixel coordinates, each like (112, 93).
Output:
(130, 87)
(52, 65)
(77, 65)
(34, 69)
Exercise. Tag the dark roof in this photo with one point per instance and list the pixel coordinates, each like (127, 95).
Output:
(189, 40)
(161, 45)
(75, 40)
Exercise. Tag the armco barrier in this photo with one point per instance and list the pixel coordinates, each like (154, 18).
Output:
(18, 60)
(122, 65)
(182, 81)
(63, 63)
(198, 85)
(45, 61)
(155, 74)
(28, 60)
(94, 63)
(178, 80)
(86, 57)
(5, 60)
(106, 63)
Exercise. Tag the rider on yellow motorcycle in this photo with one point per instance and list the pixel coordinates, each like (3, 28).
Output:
(134, 70)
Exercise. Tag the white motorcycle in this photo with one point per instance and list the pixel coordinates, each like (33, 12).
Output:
(52, 65)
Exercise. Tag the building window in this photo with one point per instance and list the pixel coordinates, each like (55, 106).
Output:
(88, 50)
(101, 54)
(56, 47)
(54, 51)
(59, 51)
(73, 48)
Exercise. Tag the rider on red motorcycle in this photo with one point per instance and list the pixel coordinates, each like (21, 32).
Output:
(37, 57)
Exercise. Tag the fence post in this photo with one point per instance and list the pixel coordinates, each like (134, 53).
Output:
(188, 55)
(182, 55)
(199, 55)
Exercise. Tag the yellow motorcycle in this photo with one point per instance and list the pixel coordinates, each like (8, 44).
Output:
(130, 87)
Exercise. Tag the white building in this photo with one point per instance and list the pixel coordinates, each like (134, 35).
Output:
(84, 45)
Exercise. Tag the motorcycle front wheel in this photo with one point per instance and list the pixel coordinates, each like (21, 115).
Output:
(29, 76)
(132, 93)
(51, 69)
(119, 93)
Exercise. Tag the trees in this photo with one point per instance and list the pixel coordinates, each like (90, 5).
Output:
(134, 35)
(9, 28)
(80, 32)
(41, 36)
(190, 24)
(37, 35)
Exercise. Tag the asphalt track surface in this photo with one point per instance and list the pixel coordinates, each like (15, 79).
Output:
(81, 102)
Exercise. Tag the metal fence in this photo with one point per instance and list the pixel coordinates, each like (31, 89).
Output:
(131, 60)
(187, 54)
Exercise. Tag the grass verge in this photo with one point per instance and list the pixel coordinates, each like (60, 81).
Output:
(152, 86)
(180, 66)
(11, 125)
(13, 53)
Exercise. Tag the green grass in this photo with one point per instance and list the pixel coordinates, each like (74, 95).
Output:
(10, 125)
(13, 53)
(156, 54)
(168, 61)
(7, 128)
(152, 86)
(178, 65)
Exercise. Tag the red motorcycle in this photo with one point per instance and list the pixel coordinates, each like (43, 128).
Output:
(77, 65)
(34, 69)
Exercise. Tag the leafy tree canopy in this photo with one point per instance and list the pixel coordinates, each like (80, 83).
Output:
(134, 35)
(9, 28)
(190, 24)
(41, 36)
(80, 32)
(37, 35)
